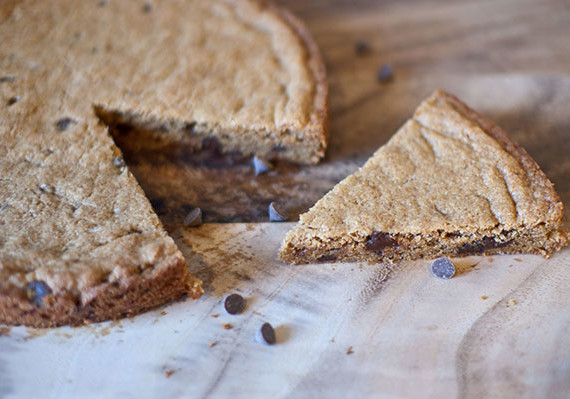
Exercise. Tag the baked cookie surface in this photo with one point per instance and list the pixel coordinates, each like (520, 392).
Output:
(448, 183)
(78, 238)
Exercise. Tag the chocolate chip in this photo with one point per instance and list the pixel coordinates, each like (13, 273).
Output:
(266, 334)
(234, 304)
(261, 166)
(157, 204)
(194, 218)
(119, 162)
(12, 100)
(378, 240)
(7, 79)
(443, 268)
(385, 74)
(64, 123)
(362, 47)
(36, 291)
(326, 258)
(276, 215)
(147, 8)
(480, 246)
(102, 3)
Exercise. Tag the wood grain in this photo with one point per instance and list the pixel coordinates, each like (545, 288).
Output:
(409, 334)
(347, 330)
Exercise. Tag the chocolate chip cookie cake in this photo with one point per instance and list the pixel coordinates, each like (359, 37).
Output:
(79, 240)
(449, 183)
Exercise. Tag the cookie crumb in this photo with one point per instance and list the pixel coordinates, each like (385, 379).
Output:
(483, 297)
(5, 331)
(214, 316)
(212, 344)
(349, 351)
(511, 302)
(227, 326)
(168, 373)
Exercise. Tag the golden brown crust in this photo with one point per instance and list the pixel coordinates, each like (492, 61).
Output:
(112, 301)
(533, 171)
(319, 117)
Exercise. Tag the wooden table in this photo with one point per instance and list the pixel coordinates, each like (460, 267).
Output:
(500, 328)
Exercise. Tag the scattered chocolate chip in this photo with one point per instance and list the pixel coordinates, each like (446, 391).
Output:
(379, 240)
(234, 303)
(7, 79)
(64, 123)
(36, 291)
(147, 8)
(362, 47)
(266, 334)
(194, 218)
(385, 74)
(12, 100)
(443, 268)
(261, 166)
(119, 162)
(276, 215)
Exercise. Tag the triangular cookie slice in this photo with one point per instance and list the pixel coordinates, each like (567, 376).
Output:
(449, 182)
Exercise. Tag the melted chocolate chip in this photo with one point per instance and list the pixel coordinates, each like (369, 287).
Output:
(234, 304)
(36, 291)
(326, 258)
(480, 246)
(266, 334)
(378, 240)
(12, 100)
(157, 205)
(7, 79)
(385, 74)
(63, 124)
